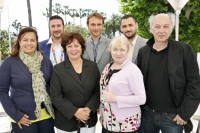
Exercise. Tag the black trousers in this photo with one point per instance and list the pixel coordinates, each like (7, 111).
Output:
(44, 126)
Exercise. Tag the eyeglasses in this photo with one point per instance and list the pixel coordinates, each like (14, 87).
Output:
(23, 27)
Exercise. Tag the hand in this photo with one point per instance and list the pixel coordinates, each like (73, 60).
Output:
(87, 110)
(98, 111)
(101, 119)
(82, 114)
(179, 121)
(87, 113)
(24, 121)
(108, 97)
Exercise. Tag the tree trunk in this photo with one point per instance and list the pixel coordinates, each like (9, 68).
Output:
(29, 13)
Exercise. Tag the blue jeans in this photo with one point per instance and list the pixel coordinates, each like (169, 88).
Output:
(44, 126)
(154, 122)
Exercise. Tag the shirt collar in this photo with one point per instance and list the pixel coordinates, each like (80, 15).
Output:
(134, 41)
(50, 41)
(91, 39)
(151, 41)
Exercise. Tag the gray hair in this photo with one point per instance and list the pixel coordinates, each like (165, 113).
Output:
(171, 16)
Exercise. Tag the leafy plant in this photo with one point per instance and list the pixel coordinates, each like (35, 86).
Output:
(77, 28)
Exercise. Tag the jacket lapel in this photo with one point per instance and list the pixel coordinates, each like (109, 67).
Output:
(48, 49)
(101, 48)
(173, 60)
(146, 62)
(90, 49)
(85, 71)
(71, 72)
(136, 49)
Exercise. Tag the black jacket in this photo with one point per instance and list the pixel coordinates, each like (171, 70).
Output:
(183, 74)
(68, 93)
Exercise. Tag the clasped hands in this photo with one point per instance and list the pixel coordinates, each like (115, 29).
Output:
(83, 114)
(109, 97)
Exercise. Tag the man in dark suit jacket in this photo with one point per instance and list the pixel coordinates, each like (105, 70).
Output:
(129, 26)
(52, 47)
(171, 77)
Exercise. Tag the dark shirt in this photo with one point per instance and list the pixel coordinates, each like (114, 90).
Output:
(79, 75)
(159, 96)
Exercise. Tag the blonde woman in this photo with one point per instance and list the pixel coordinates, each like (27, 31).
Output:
(122, 91)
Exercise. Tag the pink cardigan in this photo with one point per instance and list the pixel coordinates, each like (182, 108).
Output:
(128, 85)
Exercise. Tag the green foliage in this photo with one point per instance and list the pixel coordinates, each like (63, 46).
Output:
(189, 20)
(112, 25)
(77, 28)
(4, 39)
(108, 28)
(4, 44)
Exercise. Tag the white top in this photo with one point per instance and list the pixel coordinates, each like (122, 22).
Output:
(59, 55)
(131, 49)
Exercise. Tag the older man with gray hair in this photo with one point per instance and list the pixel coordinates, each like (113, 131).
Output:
(171, 77)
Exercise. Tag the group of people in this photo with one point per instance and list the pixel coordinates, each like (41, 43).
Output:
(136, 85)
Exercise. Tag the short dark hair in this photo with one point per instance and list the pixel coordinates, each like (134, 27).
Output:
(57, 17)
(16, 46)
(68, 37)
(97, 15)
(127, 16)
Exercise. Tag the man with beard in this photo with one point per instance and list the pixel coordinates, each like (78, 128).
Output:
(129, 26)
(52, 47)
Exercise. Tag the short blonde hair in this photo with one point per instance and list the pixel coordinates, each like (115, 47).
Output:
(119, 41)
